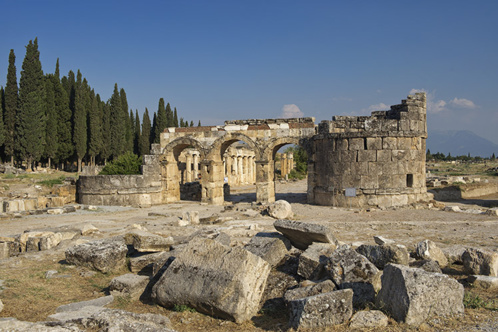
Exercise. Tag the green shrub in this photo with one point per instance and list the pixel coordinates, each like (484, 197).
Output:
(50, 183)
(127, 163)
(183, 308)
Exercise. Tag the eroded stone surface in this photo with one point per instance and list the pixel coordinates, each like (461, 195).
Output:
(427, 249)
(272, 247)
(302, 234)
(100, 255)
(313, 260)
(480, 261)
(381, 255)
(368, 319)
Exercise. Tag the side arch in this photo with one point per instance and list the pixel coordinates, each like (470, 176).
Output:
(275, 144)
(221, 144)
(178, 145)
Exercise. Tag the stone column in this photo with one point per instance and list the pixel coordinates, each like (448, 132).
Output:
(195, 174)
(245, 171)
(283, 165)
(290, 162)
(188, 166)
(212, 182)
(239, 169)
(265, 186)
(170, 180)
(249, 169)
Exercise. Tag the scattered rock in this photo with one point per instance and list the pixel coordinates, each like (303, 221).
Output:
(454, 254)
(452, 208)
(480, 261)
(55, 211)
(311, 290)
(312, 261)
(427, 249)
(492, 212)
(50, 241)
(321, 310)
(381, 255)
(143, 241)
(483, 282)
(280, 210)
(368, 319)
(216, 235)
(1, 306)
(349, 269)
(144, 262)
(214, 279)
(120, 320)
(428, 265)
(380, 240)
(413, 295)
(189, 218)
(272, 247)
(130, 284)
(88, 229)
(303, 234)
(99, 302)
(12, 324)
(101, 255)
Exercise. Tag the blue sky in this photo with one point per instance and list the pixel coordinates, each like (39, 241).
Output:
(223, 60)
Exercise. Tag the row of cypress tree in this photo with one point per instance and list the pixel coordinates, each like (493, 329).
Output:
(62, 120)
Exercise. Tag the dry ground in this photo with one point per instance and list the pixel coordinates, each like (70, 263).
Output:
(28, 295)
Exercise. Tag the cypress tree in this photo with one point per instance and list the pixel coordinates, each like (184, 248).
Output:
(175, 119)
(106, 131)
(51, 125)
(64, 115)
(80, 120)
(95, 121)
(117, 125)
(182, 123)
(2, 112)
(136, 139)
(191, 123)
(31, 116)
(128, 144)
(146, 133)
(199, 124)
(161, 120)
(11, 107)
(154, 130)
(170, 122)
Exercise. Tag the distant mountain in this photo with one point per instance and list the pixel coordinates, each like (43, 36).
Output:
(460, 142)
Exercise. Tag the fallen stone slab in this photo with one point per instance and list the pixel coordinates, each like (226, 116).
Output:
(454, 254)
(480, 261)
(216, 235)
(380, 240)
(272, 247)
(144, 262)
(311, 290)
(143, 241)
(368, 319)
(50, 241)
(428, 265)
(99, 302)
(88, 229)
(214, 279)
(120, 320)
(75, 315)
(14, 325)
(281, 209)
(483, 282)
(412, 295)
(428, 249)
(303, 234)
(189, 218)
(129, 284)
(312, 261)
(349, 269)
(381, 255)
(323, 310)
(100, 255)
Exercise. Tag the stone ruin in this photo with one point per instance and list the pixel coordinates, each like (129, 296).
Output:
(376, 160)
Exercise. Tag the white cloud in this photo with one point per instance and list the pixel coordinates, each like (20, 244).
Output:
(463, 103)
(379, 107)
(433, 105)
(291, 111)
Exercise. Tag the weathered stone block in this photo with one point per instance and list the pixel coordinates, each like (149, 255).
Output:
(483, 282)
(367, 155)
(356, 144)
(368, 319)
(389, 143)
(427, 249)
(272, 247)
(428, 265)
(384, 156)
(413, 295)
(303, 234)
(144, 241)
(130, 284)
(100, 255)
(145, 262)
(374, 143)
(214, 279)
(311, 290)
(384, 254)
(480, 261)
(312, 261)
(321, 310)
(281, 209)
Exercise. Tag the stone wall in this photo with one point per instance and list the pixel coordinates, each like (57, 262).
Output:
(380, 158)
(125, 190)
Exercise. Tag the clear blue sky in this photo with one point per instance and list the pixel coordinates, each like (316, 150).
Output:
(221, 60)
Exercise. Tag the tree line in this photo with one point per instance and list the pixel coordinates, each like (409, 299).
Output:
(59, 121)
(438, 156)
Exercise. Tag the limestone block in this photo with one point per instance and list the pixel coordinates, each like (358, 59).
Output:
(389, 143)
(144, 241)
(390, 125)
(272, 247)
(349, 269)
(55, 211)
(400, 155)
(454, 254)
(50, 241)
(413, 295)
(381, 255)
(312, 261)
(88, 229)
(359, 168)
(428, 265)
(347, 156)
(145, 262)
(374, 143)
(214, 279)
(342, 144)
(384, 156)
(303, 234)
(120, 320)
(190, 218)
(368, 319)
(130, 284)
(367, 155)
(480, 261)
(427, 249)
(483, 282)
(321, 310)
(356, 144)
(281, 209)
(98, 302)
(404, 143)
(101, 255)
(311, 290)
